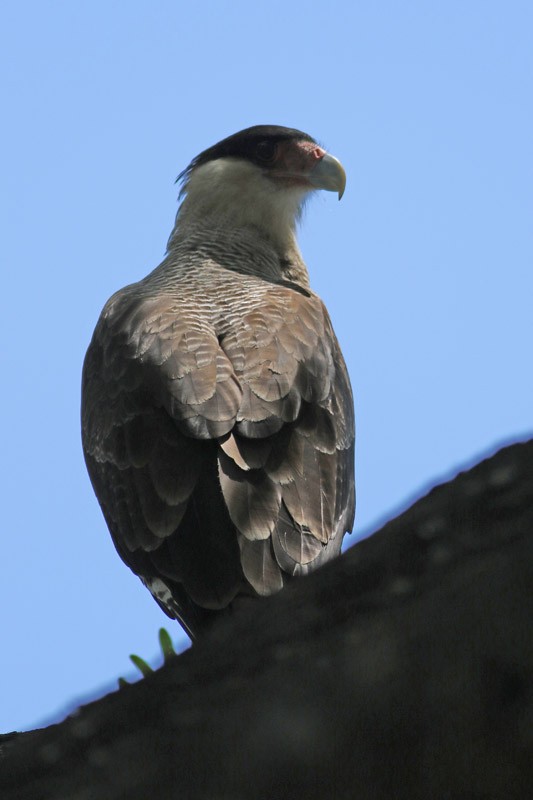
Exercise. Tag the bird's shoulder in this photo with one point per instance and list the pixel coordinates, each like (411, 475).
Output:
(217, 351)
(149, 320)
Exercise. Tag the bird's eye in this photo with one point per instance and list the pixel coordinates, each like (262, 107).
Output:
(265, 151)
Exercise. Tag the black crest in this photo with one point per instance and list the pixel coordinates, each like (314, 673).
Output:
(248, 143)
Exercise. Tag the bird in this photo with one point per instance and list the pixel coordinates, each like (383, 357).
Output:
(217, 412)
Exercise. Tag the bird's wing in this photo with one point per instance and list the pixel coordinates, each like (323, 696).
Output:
(286, 468)
(156, 389)
(178, 414)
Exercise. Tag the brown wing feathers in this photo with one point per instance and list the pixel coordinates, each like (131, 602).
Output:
(221, 454)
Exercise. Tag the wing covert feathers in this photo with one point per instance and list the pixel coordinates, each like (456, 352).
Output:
(218, 435)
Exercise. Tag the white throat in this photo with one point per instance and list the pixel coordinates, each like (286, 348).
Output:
(232, 194)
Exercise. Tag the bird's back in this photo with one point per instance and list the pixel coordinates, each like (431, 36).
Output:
(218, 434)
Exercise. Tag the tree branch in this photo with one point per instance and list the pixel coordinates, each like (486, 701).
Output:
(404, 669)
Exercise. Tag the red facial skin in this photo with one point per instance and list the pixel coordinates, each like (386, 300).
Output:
(294, 161)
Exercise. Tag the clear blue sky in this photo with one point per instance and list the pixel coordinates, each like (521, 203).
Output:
(426, 265)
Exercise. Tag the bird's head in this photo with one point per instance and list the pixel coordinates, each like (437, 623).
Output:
(258, 177)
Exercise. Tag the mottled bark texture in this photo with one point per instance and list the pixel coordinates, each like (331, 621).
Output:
(404, 669)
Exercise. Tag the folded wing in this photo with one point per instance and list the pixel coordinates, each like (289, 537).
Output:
(220, 445)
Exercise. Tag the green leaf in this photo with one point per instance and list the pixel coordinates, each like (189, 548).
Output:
(167, 649)
(165, 642)
(141, 665)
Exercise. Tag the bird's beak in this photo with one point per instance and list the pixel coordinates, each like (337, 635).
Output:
(328, 174)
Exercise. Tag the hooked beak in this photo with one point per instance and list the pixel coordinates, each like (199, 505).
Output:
(328, 174)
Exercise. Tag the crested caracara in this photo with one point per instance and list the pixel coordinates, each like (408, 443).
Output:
(217, 414)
